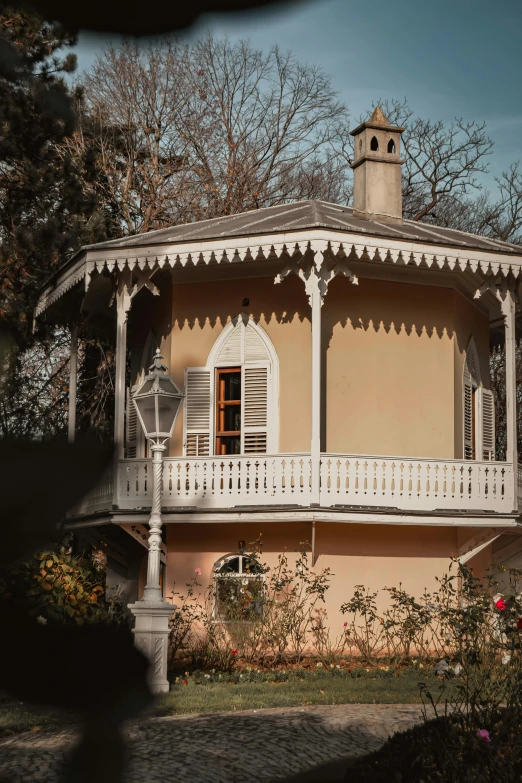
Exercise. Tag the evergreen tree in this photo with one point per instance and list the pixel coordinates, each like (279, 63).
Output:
(45, 210)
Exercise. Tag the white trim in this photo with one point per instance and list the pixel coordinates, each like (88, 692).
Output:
(298, 516)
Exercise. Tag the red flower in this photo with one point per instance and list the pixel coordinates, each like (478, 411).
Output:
(185, 682)
(519, 623)
(501, 605)
(235, 652)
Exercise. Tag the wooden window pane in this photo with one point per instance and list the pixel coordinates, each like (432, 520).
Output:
(228, 411)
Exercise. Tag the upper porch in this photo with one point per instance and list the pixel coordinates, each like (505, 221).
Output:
(350, 483)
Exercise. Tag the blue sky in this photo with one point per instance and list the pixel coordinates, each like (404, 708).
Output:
(449, 57)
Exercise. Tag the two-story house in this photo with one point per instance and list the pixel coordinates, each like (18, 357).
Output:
(335, 369)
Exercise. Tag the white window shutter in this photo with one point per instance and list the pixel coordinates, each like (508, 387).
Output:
(255, 396)
(131, 426)
(487, 420)
(468, 415)
(198, 411)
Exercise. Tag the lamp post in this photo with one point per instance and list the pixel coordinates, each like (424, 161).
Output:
(157, 400)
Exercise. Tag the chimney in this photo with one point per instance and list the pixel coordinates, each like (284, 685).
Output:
(377, 187)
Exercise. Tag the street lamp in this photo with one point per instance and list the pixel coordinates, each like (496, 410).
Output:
(158, 401)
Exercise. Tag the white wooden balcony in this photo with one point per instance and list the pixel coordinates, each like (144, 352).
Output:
(407, 485)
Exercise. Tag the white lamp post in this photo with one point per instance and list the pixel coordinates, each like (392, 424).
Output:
(158, 401)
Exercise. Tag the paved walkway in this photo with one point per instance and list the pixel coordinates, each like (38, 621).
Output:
(260, 745)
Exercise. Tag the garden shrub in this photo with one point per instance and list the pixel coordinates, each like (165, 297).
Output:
(55, 586)
(472, 727)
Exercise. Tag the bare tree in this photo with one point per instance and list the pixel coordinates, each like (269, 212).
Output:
(129, 117)
(187, 133)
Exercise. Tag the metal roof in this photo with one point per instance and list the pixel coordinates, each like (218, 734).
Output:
(306, 215)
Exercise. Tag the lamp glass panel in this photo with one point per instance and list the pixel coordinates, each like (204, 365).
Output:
(147, 386)
(167, 409)
(166, 385)
(146, 409)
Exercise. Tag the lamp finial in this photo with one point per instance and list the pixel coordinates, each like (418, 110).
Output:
(157, 364)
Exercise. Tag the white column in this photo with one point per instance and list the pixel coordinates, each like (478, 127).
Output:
(316, 302)
(73, 382)
(123, 301)
(508, 309)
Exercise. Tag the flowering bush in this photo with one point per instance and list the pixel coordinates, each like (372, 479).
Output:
(253, 619)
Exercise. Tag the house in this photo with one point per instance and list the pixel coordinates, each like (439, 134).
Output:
(335, 369)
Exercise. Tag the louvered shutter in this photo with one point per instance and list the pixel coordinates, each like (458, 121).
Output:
(487, 419)
(255, 397)
(468, 415)
(198, 409)
(132, 426)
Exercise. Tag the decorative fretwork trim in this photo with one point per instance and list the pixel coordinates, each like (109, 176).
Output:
(349, 247)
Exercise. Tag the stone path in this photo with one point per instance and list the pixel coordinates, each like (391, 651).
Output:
(261, 745)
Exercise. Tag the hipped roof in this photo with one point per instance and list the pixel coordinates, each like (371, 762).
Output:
(304, 215)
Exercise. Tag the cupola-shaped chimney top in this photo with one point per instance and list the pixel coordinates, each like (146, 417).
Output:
(377, 187)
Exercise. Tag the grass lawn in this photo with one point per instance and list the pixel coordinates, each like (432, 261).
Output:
(227, 696)
(221, 697)
(16, 717)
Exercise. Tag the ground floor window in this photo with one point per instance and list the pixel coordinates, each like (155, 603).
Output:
(238, 589)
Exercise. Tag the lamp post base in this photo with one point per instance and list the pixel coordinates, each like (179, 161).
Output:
(151, 636)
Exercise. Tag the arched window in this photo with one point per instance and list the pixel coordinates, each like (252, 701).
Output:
(238, 589)
(374, 144)
(479, 410)
(231, 404)
(391, 146)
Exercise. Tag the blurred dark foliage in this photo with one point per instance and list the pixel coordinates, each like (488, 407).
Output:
(93, 669)
(119, 16)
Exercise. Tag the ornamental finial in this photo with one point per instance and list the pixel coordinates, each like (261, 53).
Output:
(157, 365)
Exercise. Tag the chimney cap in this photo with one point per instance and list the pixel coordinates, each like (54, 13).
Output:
(377, 122)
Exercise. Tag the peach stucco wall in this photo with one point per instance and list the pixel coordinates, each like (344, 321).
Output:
(392, 357)
(389, 369)
(376, 556)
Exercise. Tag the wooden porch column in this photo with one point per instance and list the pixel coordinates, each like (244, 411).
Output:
(316, 302)
(73, 383)
(123, 303)
(508, 310)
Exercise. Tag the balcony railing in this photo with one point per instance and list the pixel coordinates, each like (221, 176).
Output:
(286, 480)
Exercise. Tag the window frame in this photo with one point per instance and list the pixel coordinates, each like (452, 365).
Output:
(217, 576)
(218, 434)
